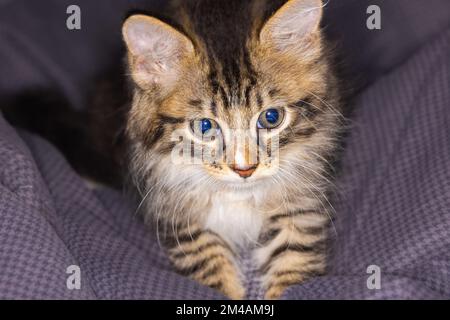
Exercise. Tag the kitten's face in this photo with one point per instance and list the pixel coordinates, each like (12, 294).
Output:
(243, 134)
(200, 119)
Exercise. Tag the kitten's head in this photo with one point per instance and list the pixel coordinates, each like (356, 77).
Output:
(242, 91)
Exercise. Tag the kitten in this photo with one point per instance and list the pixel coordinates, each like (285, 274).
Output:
(238, 71)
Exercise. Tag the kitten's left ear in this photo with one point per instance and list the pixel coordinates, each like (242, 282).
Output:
(293, 25)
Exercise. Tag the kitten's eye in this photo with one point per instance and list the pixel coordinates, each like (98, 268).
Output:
(271, 118)
(203, 126)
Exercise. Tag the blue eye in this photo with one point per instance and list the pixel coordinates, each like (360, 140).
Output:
(203, 126)
(271, 118)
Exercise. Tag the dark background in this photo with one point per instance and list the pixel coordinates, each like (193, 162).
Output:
(37, 50)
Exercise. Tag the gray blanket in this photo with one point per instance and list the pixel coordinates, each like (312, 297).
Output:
(392, 208)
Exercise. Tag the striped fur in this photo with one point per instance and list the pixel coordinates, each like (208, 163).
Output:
(229, 60)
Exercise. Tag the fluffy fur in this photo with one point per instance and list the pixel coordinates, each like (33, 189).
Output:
(229, 60)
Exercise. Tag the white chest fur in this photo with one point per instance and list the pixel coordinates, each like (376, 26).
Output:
(234, 217)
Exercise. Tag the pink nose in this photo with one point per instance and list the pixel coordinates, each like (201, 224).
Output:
(243, 172)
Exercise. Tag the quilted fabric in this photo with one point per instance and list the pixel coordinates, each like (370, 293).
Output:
(393, 199)
(392, 208)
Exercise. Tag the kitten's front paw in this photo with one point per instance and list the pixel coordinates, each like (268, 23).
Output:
(219, 273)
(275, 292)
(234, 290)
(206, 258)
(276, 283)
(224, 279)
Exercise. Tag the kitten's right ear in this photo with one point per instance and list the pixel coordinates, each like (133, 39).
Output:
(156, 51)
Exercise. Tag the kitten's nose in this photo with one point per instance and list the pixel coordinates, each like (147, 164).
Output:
(243, 171)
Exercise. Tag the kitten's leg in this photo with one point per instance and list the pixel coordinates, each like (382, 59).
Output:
(204, 256)
(292, 250)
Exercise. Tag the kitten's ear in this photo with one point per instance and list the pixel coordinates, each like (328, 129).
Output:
(292, 25)
(156, 51)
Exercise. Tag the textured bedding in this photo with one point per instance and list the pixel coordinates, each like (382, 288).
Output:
(392, 208)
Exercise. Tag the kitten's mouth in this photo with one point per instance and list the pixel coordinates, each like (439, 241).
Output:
(242, 185)
(243, 177)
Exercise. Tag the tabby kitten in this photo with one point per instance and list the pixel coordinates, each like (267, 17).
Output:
(238, 71)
